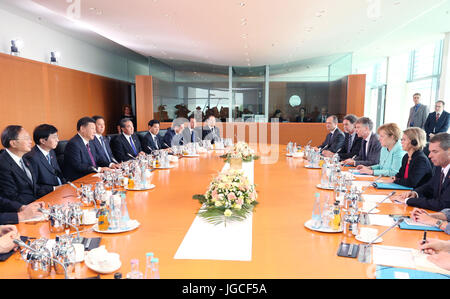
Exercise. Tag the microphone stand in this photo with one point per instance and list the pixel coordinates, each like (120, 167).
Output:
(22, 244)
(365, 254)
(365, 216)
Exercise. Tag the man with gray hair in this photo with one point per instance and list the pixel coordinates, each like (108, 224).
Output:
(434, 195)
(174, 134)
(369, 154)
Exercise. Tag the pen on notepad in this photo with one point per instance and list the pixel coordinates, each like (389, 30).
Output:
(424, 240)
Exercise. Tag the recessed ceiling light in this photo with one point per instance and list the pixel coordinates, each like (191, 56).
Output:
(241, 4)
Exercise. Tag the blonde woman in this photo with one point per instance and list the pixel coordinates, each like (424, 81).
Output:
(391, 154)
(416, 168)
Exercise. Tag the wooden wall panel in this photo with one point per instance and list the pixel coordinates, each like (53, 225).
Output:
(144, 101)
(32, 93)
(356, 90)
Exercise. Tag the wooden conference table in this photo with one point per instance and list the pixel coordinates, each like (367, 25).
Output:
(282, 247)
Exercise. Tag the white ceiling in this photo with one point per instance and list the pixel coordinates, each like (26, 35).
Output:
(251, 32)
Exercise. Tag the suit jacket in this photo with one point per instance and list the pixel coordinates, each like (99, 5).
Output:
(334, 141)
(171, 138)
(429, 196)
(15, 184)
(419, 171)
(208, 134)
(77, 162)
(322, 118)
(8, 211)
(46, 175)
(121, 147)
(354, 149)
(373, 153)
(147, 141)
(418, 118)
(101, 151)
(441, 126)
(193, 136)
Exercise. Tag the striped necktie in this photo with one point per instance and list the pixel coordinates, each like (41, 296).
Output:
(49, 158)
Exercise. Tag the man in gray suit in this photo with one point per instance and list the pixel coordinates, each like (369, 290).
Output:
(369, 154)
(418, 113)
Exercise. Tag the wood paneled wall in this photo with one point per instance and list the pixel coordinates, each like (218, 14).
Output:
(33, 93)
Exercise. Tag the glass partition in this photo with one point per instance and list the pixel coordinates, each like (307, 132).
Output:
(292, 92)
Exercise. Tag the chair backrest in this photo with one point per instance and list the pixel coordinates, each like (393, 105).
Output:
(59, 151)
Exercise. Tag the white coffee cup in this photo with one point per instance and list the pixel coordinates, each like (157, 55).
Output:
(368, 233)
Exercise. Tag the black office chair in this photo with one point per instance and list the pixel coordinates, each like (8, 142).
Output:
(59, 151)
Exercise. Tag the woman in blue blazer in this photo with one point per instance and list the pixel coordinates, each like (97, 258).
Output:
(391, 152)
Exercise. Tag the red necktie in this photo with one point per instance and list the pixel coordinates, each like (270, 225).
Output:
(437, 116)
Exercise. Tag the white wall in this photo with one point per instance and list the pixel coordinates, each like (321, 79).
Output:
(40, 40)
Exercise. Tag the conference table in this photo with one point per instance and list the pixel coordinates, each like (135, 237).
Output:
(281, 245)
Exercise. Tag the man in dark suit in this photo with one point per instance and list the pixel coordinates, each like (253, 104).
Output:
(18, 181)
(438, 121)
(13, 212)
(369, 153)
(352, 143)
(127, 144)
(435, 194)
(322, 117)
(43, 158)
(210, 131)
(152, 141)
(80, 156)
(101, 142)
(174, 136)
(335, 139)
(192, 133)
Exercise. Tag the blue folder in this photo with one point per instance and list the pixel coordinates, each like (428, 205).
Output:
(404, 225)
(391, 186)
(383, 272)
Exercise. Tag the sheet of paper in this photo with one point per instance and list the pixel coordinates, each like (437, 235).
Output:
(414, 223)
(361, 184)
(381, 220)
(375, 198)
(393, 256)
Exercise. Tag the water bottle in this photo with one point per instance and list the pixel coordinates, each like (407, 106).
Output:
(324, 176)
(148, 265)
(123, 210)
(316, 213)
(135, 273)
(155, 268)
(115, 214)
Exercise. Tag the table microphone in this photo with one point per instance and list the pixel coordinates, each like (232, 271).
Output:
(22, 244)
(309, 142)
(371, 185)
(365, 255)
(114, 160)
(325, 147)
(365, 216)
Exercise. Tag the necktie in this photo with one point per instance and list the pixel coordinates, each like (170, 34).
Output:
(104, 148)
(26, 170)
(132, 146)
(364, 155)
(50, 162)
(155, 141)
(437, 116)
(441, 182)
(193, 136)
(90, 155)
(349, 145)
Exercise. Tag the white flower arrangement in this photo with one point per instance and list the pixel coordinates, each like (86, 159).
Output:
(241, 150)
(230, 197)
